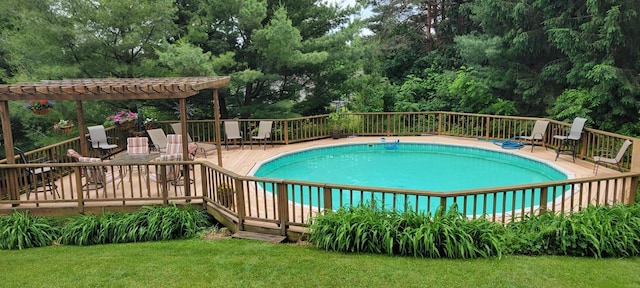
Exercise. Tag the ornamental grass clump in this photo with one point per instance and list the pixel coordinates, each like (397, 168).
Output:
(368, 229)
(148, 224)
(18, 230)
(595, 232)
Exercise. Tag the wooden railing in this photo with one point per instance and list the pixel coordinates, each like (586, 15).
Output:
(285, 206)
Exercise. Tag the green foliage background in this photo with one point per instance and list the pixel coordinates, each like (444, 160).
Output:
(290, 58)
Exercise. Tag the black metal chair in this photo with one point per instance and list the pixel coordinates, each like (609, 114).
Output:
(39, 179)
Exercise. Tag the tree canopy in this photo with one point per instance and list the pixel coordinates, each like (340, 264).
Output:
(288, 58)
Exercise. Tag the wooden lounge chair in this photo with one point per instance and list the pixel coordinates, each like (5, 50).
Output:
(605, 158)
(537, 134)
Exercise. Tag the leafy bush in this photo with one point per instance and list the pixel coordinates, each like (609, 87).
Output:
(148, 224)
(368, 229)
(19, 231)
(595, 231)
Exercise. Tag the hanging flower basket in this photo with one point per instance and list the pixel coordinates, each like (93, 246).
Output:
(40, 107)
(43, 111)
(63, 126)
(124, 120)
(65, 130)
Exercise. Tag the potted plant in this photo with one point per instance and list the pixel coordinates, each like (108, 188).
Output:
(339, 122)
(149, 123)
(39, 107)
(63, 126)
(123, 119)
(225, 193)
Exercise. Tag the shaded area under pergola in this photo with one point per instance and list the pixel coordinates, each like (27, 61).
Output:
(79, 90)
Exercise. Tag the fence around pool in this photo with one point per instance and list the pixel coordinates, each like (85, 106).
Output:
(254, 204)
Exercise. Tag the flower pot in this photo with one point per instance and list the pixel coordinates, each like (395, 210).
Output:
(335, 134)
(226, 197)
(43, 111)
(125, 125)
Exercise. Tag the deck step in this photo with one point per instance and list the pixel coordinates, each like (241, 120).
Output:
(259, 236)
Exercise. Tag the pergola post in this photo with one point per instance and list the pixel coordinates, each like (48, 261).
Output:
(84, 148)
(216, 113)
(14, 193)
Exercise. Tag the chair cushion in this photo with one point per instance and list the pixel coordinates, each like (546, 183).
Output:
(137, 145)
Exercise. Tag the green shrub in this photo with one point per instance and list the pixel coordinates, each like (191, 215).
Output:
(595, 231)
(148, 224)
(368, 229)
(19, 231)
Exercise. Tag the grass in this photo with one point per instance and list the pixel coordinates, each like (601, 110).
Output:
(246, 263)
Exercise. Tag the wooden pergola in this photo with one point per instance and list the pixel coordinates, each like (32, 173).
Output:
(80, 90)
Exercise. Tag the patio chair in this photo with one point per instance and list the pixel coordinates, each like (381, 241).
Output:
(97, 177)
(174, 146)
(170, 174)
(99, 140)
(537, 134)
(232, 132)
(137, 146)
(569, 142)
(159, 139)
(264, 133)
(605, 157)
(38, 177)
(202, 147)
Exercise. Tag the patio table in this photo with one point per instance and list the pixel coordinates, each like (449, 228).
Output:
(125, 161)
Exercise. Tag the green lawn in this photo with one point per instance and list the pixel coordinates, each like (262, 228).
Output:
(247, 263)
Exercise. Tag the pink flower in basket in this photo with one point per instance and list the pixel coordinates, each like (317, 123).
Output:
(123, 117)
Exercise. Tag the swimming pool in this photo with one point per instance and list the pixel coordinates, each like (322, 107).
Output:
(416, 166)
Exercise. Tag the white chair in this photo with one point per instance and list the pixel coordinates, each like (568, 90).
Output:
(569, 142)
(159, 139)
(99, 140)
(537, 134)
(202, 147)
(232, 132)
(605, 158)
(264, 133)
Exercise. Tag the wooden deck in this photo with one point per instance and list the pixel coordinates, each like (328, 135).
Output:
(242, 161)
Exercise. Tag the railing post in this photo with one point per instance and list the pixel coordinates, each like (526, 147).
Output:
(439, 123)
(635, 156)
(80, 195)
(633, 190)
(286, 132)
(283, 207)
(388, 124)
(544, 194)
(487, 131)
(165, 186)
(443, 205)
(328, 199)
(240, 204)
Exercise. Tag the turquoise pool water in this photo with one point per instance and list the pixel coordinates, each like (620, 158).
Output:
(417, 166)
